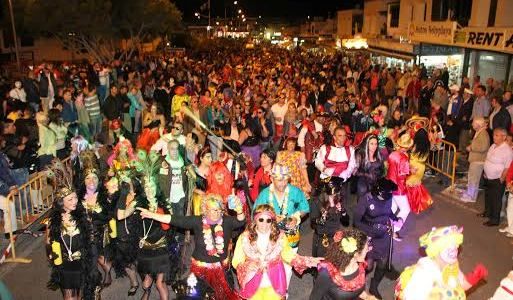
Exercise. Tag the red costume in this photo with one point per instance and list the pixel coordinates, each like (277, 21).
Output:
(398, 170)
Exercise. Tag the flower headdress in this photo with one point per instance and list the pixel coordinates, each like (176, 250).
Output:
(346, 244)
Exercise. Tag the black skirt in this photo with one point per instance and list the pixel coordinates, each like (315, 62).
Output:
(153, 262)
(70, 275)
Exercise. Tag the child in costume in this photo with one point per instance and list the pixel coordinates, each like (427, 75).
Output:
(438, 275)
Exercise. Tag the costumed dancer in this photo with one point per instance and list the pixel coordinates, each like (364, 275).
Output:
(99, 212)
(121, 157)
(260, 255)
(128, 226)
(438, 275)
(398, 171)
(296, 162)
(328, 215)
(153, 123)
(370, 165)
(418, 196)
(153, 259)
(336, 161)
(212, 233)
(289, 204)
(342, 273)
(70, 244)
(373, 215)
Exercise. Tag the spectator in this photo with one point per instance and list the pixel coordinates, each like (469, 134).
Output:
(498, 160)
(464, 119)
(477, 154)
(499, 116)
(69, 110)
(481, 106)
(92, 105)
(30, 86)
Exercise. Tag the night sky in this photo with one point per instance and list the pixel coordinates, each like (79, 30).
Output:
(291, 10)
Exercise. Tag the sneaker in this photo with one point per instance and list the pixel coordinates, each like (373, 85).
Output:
(509, 235)
(503, 230)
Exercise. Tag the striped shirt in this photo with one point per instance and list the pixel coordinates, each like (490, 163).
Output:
(92, 105)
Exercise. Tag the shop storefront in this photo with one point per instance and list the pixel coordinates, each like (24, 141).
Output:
(441, 57)
(489, 52)
(392, 53)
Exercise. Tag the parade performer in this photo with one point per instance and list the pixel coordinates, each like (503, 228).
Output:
(260, 255)
(220, 181)
(290, 206)
(99, 212)
(262, 177)
(342, 273)
(418, 196)
(337, 160)
(121, 157)
(398, 170)
(70, 245)
(310, 139)
(153, 257)
(370, 165)
(127, 225)
(438, 275)
(328, 215)
(296, 162)
(212, 232)
(373, 215)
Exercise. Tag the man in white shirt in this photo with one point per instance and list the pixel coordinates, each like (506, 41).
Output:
(496, 166)
(175, 134)
(279, 111)
(336, 160)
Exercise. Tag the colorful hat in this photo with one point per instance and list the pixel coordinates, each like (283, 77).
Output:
(416, 122)
(441, 238)
(280, 172)
(405, 141)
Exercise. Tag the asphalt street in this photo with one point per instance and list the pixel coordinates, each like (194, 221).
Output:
(481, 244)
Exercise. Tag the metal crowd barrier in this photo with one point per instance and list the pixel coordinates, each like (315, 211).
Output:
(25, 206)
(444, 161)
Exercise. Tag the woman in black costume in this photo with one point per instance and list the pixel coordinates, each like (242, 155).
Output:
(99, 211)
(71, 248)
(328, 215)
(370, 165)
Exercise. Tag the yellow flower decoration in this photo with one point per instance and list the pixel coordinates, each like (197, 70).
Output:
(348, 245)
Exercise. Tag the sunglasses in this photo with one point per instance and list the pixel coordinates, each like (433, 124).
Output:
(262, 220)
(177, 127)
(260, 112)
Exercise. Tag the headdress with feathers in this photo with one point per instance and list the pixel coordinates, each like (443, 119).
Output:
(148, 166)
(61, 178)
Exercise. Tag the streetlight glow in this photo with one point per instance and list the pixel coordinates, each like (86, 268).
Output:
(240, 11)
(235, 2)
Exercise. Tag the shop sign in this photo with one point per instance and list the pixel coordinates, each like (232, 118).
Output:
(494, 39)
(432, 32)
(391, 44)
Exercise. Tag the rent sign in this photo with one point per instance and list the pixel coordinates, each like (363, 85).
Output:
(494, 39)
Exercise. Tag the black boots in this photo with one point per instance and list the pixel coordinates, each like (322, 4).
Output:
(379, 273)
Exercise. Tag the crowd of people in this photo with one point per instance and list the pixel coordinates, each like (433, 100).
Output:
(226, 152)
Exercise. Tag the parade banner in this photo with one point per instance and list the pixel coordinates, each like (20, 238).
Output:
(432, 32)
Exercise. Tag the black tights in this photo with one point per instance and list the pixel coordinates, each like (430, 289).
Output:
(379, 272)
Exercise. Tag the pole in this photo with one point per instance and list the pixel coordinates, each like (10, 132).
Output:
(209, 28)
(17, 51)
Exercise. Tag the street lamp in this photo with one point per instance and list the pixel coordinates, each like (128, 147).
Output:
(235, 2)
(240, 11)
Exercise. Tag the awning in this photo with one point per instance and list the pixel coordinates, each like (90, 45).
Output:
(391, 53)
